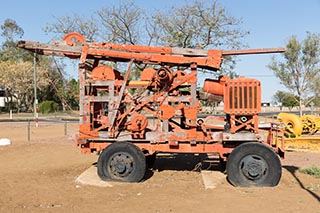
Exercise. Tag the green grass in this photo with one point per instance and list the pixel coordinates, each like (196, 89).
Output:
(313, 170)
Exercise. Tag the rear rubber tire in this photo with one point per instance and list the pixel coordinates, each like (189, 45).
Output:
(253, 164)
(122, 161)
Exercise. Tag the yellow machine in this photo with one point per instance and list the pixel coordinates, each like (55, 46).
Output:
(295, 126)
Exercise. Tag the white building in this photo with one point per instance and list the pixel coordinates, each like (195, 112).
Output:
(2, 97)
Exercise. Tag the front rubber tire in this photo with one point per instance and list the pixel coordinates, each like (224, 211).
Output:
(253, 164)
(122, 161)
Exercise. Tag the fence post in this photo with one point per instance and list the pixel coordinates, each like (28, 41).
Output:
(28, 131)
(65, 128)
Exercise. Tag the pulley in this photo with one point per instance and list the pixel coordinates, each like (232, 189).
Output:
(138, 123)
(105, 73)
(72, 38)
(164, 76)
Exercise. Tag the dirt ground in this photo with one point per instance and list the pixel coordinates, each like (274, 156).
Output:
(39, 176)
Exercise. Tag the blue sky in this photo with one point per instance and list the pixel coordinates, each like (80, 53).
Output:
(270, 22)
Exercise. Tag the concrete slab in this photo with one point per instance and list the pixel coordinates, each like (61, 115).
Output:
(90, 177)
(211, 179)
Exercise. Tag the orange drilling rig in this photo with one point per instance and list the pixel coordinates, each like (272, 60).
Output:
(127, 119)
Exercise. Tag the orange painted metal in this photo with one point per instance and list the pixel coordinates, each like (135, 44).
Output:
(215, 87)
(242, 96)
(166, 147)
(148, 74)
(73, 38)
(167, 111)
(242, 102)
(163, 76)
(276, 138)
(158, 109)
(105, 73)
(138, 123)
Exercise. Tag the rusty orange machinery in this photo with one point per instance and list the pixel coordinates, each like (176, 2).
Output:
(242, 100)
(171, 99)
(115, 107)
(157, 110)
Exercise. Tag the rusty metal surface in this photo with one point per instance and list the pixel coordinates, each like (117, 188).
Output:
(114, 104)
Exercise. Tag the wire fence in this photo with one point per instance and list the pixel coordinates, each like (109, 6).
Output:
(27, 132)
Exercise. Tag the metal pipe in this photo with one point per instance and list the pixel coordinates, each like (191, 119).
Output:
(65, 128)
(253, 51)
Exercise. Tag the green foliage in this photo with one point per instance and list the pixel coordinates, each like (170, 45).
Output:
(286, 99)
(290, 101)
(301, 66)
(313, 171)
(51, 83)
(72, 93)
(48, 107)
(11, 31)
(198, 24)
(18, 78)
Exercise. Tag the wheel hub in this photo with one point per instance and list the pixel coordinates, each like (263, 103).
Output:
(120, 167)
(121, 164)
(253, 167)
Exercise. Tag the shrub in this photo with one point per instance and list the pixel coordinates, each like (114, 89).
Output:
(313, 170)
(48, 107)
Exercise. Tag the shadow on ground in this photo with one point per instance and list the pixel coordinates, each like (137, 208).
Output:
(184, 162)
(293, 170)
(189, 162)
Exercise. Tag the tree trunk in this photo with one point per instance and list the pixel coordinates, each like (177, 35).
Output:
(300, 107)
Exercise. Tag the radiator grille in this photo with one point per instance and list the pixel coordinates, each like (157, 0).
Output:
(242, 96)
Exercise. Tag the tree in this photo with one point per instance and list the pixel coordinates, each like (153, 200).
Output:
(72, 93)
(55, 81)
(122, 24)
(116, 24)
(195, 25)
(17, 70)
(11, 31)
(17, 77)
(316, 91)
(285, 99)
(59, 89)
(201, 25)
(300, 66)
(279, 97)
(74, 23)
